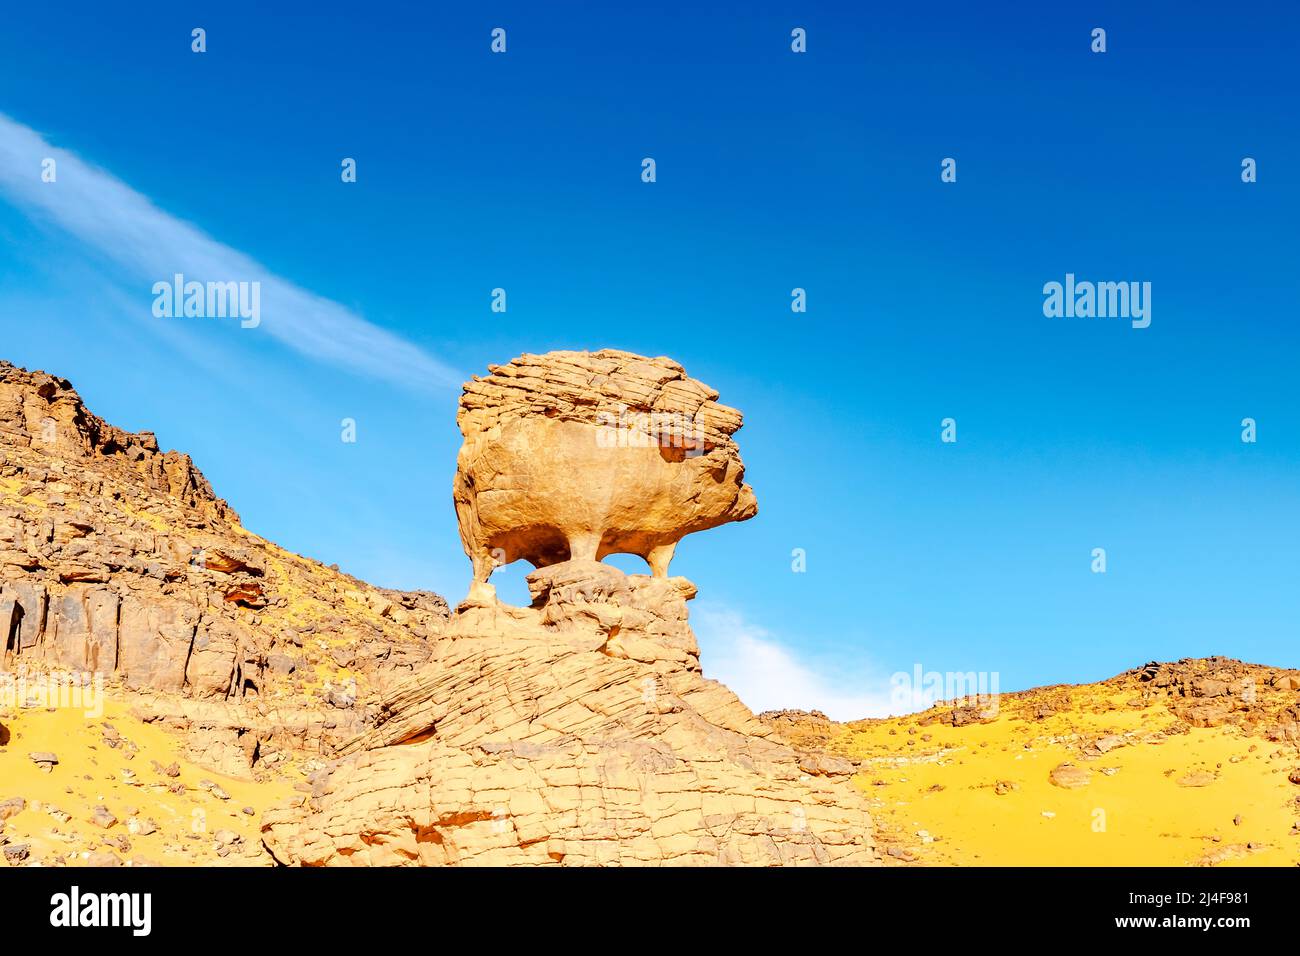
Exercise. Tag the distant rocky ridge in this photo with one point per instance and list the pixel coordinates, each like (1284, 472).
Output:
(1254, 700)
(1198, 761)
(1219, 691)
(579, 730)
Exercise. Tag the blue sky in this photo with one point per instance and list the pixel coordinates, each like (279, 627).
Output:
(775, 170)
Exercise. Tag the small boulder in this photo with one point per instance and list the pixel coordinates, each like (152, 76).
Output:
(1209, 687)
(1104, 745)
(281, 663)
(1069, 777)
(44, 760)
(139, 827)
(102, 817)
(15, 853)
(339, 697)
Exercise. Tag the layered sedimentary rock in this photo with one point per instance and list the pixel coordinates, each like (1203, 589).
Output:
(578, 455)
(577, 731)
(118, 561)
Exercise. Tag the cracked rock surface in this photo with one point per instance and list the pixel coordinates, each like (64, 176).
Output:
(577, 731)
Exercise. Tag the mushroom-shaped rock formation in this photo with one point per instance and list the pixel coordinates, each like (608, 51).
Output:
(578, 455)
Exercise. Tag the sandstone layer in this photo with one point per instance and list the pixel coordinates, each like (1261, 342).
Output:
(577, 731)
(118, 561)
(578, 455)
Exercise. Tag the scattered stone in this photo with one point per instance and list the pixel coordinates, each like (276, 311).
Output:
(214, 789)
(138, 827)
(281, 663)
(15, 853)
(340, 697)
(102, 817)
(1208, 687)
(119, 843)
(44, 760)
(1108, 743)
(963, 716)
(1069, 777)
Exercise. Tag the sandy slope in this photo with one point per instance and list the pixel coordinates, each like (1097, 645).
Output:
(1162, 793)
(194, 823)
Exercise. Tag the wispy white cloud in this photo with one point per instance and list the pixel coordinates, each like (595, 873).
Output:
(151, 245)
(767, 675)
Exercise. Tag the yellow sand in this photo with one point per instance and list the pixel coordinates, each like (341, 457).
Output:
(186, 821)
(1139, 815)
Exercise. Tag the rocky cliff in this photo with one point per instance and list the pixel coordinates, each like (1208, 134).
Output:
(578, 730)
(118, 560)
